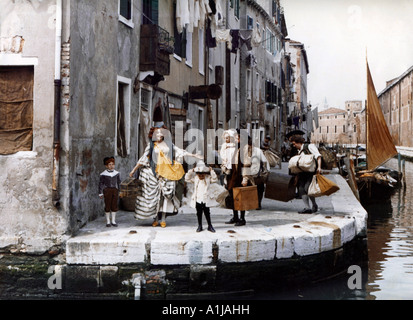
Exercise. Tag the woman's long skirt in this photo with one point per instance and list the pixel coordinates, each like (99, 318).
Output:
(157, 195)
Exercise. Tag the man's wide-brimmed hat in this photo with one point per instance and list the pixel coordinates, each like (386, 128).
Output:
(294, 132)
(201, 167)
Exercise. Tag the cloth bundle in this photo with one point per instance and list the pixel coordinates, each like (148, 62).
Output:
(302, 163)
(321, 186)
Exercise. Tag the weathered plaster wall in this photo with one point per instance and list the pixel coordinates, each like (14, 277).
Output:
(101, 49)
(29, 221)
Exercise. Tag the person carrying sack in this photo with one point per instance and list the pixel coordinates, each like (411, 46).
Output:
(305, 178)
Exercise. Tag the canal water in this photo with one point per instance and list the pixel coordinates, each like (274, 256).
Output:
(388, 274)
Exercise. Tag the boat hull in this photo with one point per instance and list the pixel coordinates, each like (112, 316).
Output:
(372, 190)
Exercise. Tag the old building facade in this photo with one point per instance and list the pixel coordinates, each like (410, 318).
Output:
(91, 79)
(396, 102)
(80, 89)
(300, 116)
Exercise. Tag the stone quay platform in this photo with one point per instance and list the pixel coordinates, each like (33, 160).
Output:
(277, 243)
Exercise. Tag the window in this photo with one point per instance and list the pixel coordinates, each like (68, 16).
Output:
(274, 8)
(188, 49)
(271, 93)
(150, 10)
(180, 40)
(126, 12)
(264, 38)
(250, 23)
(236, 100)
(236, 8)
(201, 49)
(271, 42)
(248, 84)
(344, 128)
(279, 96)
(201, 126)
(122, 133)
(257, 86)
(145, 98)
(268, 36)
(16, 109)
(180, 43)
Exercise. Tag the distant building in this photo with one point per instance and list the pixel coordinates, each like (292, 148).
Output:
(341, 126)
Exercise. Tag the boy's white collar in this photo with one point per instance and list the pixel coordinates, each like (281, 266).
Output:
(110, 174)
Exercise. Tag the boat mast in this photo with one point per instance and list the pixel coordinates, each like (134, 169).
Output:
(367, 111)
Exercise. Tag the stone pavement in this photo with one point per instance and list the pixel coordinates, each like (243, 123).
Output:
(275, 232)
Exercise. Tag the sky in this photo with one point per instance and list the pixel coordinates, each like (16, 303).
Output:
(338, 33)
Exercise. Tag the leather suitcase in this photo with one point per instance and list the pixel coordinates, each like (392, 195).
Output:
(245, 198)
(280, 186)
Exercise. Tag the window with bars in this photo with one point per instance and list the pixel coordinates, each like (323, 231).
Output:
(145, 98)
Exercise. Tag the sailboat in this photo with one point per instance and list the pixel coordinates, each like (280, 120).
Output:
(376, 181)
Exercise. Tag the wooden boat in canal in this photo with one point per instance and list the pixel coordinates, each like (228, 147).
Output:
(373, 180)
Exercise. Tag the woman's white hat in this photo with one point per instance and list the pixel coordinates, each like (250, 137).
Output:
(231, 132)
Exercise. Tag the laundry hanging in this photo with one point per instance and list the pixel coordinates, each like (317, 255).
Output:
(182, 14)
(245, 36)
(256, 37)
(235, 40)
(192, 13)
(224, 36)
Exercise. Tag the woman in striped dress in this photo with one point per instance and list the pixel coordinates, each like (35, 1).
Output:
(159, 173)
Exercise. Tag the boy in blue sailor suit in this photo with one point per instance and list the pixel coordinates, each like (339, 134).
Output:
(109, 184)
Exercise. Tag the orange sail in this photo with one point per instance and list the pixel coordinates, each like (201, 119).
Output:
(380, 146)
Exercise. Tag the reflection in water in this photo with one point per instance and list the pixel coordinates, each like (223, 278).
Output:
(390, 244)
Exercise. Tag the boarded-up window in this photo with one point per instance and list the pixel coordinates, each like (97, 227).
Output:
(16, 109)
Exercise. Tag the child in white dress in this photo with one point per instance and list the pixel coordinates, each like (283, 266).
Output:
(201, 177)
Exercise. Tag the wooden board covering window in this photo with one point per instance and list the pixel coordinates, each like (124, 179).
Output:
(16, 109)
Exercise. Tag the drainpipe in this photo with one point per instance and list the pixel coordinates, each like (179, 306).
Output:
(57, 86)
(138, 281)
